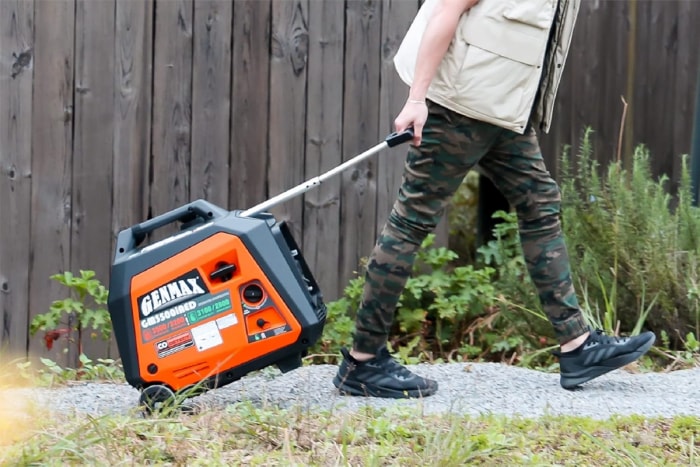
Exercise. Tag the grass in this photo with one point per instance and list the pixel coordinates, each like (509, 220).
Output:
(246, 434)
(250, 435)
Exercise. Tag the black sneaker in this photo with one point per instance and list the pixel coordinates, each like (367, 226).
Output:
(599, 355)
(382, 376)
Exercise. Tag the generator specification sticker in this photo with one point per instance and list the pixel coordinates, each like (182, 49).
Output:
(184, 314)
(209, 307)
(207, 336)
(174, 344)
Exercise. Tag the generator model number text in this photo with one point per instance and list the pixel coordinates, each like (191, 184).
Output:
(168, 314)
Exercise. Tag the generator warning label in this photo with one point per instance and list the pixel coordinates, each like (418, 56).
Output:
(184, 314)
(174, 344)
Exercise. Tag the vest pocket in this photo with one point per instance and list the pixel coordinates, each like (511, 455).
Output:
(493, 85)
(501, 67)
(537, 13)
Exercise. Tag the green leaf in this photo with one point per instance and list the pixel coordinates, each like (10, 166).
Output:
(411, 320)
(84, 359)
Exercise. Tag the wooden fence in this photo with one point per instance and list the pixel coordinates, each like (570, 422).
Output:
(112, 111)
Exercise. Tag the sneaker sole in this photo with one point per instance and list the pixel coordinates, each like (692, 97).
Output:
(348, 388)
(572, 382)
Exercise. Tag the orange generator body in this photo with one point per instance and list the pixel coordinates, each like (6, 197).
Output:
(224, 296)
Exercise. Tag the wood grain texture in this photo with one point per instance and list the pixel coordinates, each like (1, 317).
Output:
(172, 109)
(289, 50)
(133, 80)
(360, 132)
(52, 151)
(250, 97)
(659, 94)
(91, 188)
(16, 74)
(211, 101)
(687, 67)
(324, 127)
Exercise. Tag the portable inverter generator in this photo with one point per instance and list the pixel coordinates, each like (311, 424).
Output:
(228, 294)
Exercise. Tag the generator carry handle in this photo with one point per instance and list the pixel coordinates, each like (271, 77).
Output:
(394, 139)
(195, 210)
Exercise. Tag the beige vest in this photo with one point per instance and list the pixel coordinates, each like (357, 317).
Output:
(498, 60)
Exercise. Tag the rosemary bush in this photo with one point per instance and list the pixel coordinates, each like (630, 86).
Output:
(634, 246)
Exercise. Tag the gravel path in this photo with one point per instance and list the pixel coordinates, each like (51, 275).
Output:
(478, 388)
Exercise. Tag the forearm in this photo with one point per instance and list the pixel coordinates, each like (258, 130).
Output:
(436, 40)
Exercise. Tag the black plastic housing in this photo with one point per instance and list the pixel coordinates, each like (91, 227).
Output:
(268, 241)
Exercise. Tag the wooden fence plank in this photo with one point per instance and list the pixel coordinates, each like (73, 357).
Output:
(660, 100)
(686, 68)
(91, 236)
(132, 121)
(640, 99)
(172, 108)
(360, 132)
(211, 101)
(52, 128)
(324, 127)
(16, 62)
(634, 25)
(397, 16)
(612, 82)
(133, 77)
(586, 54)
(250, 94)
(289, 49)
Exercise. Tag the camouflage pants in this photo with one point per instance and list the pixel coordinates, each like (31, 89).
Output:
(452, 145)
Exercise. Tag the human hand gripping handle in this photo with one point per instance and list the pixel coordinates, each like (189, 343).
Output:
(414, 114)
(399, 137)
(439, 33)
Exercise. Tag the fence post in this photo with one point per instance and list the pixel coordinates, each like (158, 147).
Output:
(695, 147)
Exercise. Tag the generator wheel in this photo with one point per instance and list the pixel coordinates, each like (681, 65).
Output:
(156, 397)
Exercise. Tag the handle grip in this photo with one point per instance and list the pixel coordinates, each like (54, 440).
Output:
(397, 137)
(132, 237)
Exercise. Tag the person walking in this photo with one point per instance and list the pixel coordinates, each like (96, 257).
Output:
(483, 74)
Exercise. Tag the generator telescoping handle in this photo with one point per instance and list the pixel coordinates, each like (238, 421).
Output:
(392, 140)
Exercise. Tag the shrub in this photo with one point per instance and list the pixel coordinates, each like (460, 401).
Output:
(73, 316)
(446, 311)
(635, 249)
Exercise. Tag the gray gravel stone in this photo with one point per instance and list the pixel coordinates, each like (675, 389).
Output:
(471, 388)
